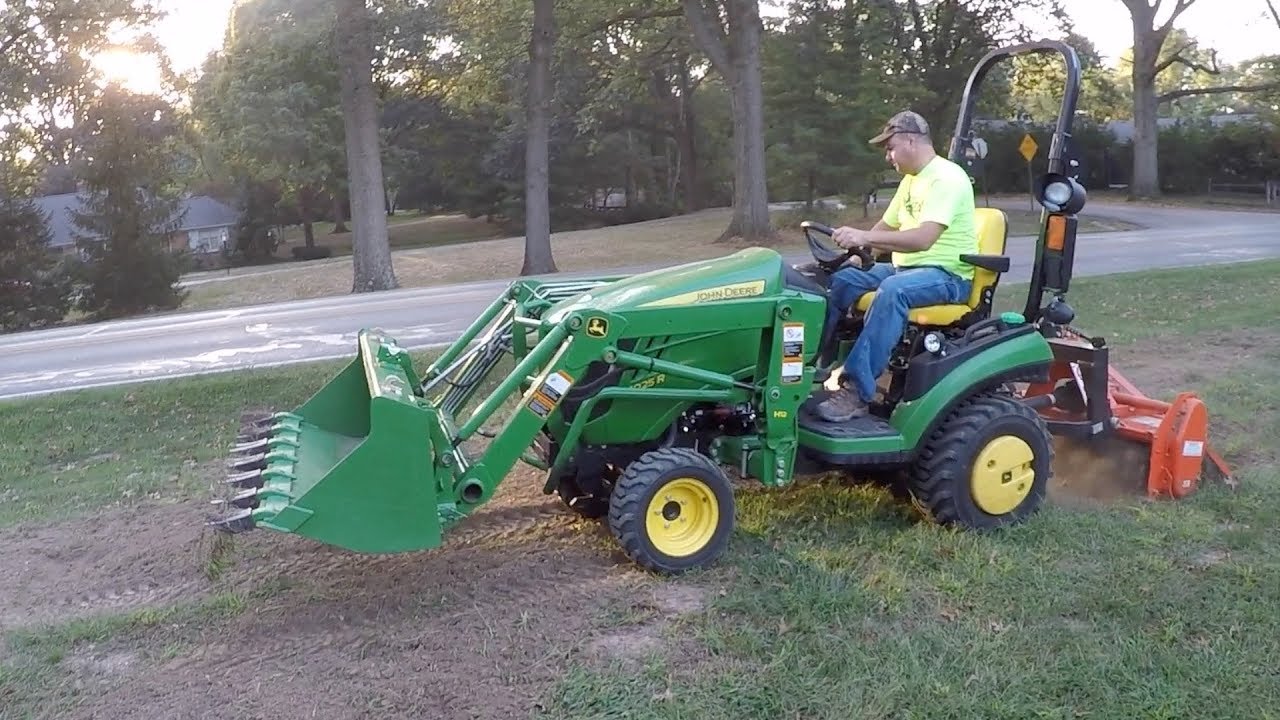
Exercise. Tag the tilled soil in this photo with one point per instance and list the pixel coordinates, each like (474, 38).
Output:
(480, 628)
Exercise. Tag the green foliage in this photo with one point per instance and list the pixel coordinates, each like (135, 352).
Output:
(268, 103)
(254, 237)
(1194, 153)
(47, 46)
(1191, 154)
(130, 210)
(823, 102)
(34, 286)
(1037, 83)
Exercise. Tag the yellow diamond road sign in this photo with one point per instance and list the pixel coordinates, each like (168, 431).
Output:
(1028, 147)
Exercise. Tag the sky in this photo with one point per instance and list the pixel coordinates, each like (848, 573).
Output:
(1238, 29)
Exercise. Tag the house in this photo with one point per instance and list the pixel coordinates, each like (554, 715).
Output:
(206, 225)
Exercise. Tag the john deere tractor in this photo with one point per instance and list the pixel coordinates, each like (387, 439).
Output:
(639, 395)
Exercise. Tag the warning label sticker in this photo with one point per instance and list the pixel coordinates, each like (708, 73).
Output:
(548, 395)
(792, 371)
(792, 352)
(792, 340)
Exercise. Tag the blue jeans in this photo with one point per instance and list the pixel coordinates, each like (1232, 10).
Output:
(886, 319)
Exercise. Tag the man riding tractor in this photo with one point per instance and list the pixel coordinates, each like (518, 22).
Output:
(928, 225)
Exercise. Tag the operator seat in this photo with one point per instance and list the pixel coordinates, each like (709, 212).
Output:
(992, 226)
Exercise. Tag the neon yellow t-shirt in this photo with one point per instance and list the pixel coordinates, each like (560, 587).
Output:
(940, 193)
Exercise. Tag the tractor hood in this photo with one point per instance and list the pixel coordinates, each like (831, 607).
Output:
(746, 273)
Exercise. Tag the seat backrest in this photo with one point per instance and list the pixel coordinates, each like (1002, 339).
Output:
(992, 226)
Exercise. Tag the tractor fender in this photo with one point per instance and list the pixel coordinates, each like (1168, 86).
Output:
(937, 383)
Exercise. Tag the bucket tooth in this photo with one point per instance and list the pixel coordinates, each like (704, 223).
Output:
(253, 462)
(250, 446)
(257, 418)
(246, 479)
(250, 433)
(243, 500)
(237, 523)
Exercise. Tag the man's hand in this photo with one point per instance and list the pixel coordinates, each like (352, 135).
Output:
(849, 238)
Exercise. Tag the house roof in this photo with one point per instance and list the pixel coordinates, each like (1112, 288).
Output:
(201, 212)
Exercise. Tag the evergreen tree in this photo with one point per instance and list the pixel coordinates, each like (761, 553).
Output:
(129, 214)
(34, 288)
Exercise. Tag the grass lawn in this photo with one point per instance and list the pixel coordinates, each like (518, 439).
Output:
(446, 258)
(833, 602)
(404, 230)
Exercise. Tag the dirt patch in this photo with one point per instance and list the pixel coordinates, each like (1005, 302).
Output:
(647, 620)
(478, 628)
(103, 563)
(1091, 474)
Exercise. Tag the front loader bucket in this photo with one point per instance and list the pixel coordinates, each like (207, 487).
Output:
(1159, 448)
(351, 467)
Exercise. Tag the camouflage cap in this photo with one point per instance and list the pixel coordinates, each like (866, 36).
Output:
(904, 122)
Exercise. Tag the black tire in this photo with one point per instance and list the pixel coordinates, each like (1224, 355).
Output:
(689, 476)
(943, 478)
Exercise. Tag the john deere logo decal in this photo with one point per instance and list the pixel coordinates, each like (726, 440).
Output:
(597, 327)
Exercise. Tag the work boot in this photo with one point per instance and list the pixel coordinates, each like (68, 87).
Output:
(843, 405)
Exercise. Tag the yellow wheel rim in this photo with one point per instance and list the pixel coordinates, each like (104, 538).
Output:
(682, 517)
(1003, 474)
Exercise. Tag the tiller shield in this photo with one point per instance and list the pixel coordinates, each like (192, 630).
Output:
(1086, 399)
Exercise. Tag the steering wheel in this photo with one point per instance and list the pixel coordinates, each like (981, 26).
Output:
(831, 259)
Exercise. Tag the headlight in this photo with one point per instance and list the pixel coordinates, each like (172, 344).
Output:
(933, 342)
(1058, 193)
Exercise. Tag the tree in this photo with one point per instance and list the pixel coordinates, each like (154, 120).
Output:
(130, 211)
(34, 290)
(370, 249)
(270, 102)
(1149, 60)
(537, 214)
(729, 32)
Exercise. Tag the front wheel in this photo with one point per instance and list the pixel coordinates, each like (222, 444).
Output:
(987, 466)
(672, 510)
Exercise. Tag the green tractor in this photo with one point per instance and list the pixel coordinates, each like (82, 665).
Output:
(636, 393)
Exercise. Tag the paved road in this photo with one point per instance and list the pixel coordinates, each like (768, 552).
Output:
(187, 344)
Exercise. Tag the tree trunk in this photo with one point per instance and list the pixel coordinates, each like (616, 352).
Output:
(735, 53)
(370, 248)
(687, 138)
(304, 216)
(537, 187)
(1146, 135)
(1147, 43)
(750, 195)
(339, 214)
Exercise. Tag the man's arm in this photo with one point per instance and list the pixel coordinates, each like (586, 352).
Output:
(914, 240)
(937, 214)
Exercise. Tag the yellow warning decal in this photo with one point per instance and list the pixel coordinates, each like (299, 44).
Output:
(713, 294)
(544, 398)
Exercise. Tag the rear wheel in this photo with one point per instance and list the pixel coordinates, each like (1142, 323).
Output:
(672, 510)
(987, 466)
